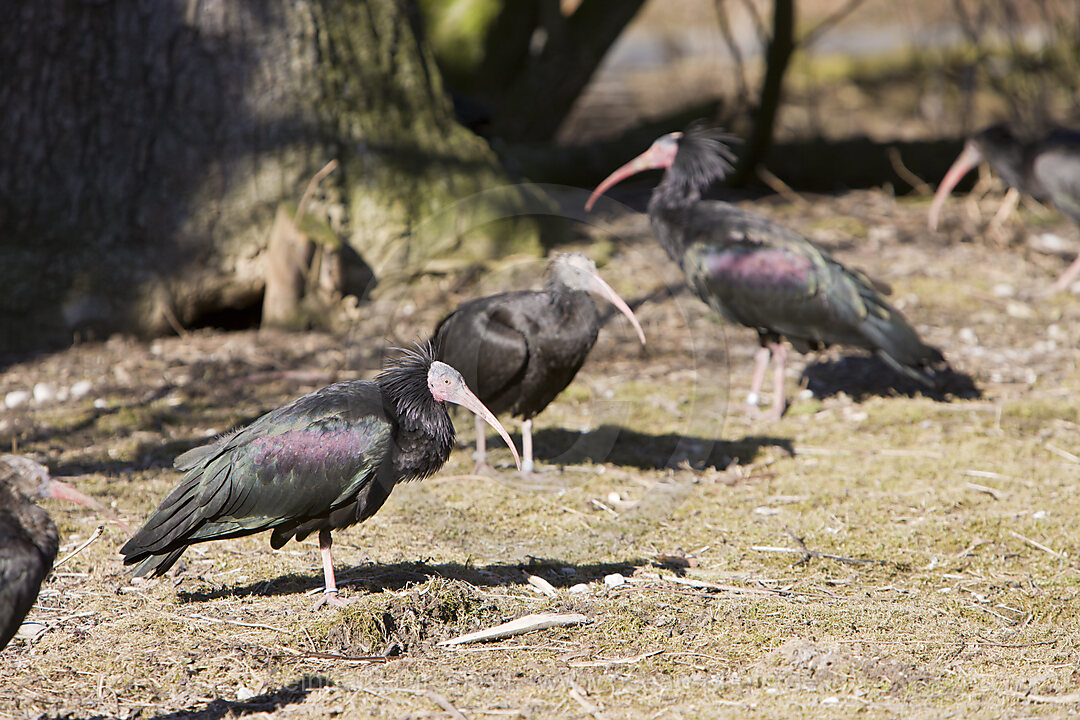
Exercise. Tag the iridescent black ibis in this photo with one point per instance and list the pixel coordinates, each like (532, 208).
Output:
(28, 539)
(519, 350)
(1047, 169)
(763, 275)
(324, 461)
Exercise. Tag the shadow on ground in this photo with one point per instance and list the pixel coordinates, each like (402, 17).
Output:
(620, 446)
(861, 377)
(267, 702)
(396, 576)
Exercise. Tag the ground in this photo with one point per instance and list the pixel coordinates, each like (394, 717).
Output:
(876, 551)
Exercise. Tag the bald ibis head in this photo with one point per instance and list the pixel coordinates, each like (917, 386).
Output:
(28, 537)
(447, 385)
(693, 159)
(578, 272)
(997, 146)
(32, 481)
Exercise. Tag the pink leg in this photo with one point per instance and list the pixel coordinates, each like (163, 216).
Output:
(481, 446)
(330, 592)
(526, 448)
(1066, 278)
(779, 356)
(761, 361)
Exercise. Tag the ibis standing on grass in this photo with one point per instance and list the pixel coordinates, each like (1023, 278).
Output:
(1045, 169)
(324, 461)
(519, 350)
(28, 538)
(763, 275)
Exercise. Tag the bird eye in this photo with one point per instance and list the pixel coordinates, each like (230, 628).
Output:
(446, 381)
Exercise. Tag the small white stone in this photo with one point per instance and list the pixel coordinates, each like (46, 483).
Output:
(580, 589)
(32, 630)
(44, 392)
(1017, 309)
(614, 580)
(806, 394)
(101, 403)
(968, 336)
(830, 701)
(1038, 515)
(15, 398)
(81, 389)
(765, 510)
(1004, 290)
(614, 498)
(1054, 332)
(244, 693)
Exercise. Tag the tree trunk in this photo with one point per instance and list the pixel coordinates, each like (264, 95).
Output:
(523, 58)
(146, 149)
(777, 57)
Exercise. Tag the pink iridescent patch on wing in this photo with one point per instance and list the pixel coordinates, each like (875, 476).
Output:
(761, 268)
(300, 448)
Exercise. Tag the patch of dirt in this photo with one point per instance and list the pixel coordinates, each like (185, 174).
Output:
(802, 661)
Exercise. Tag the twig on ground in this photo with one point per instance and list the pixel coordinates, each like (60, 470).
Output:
(716, 586)
(1008, 205)
(1036, 544)
(1067, 699)
(604, 507)
(992, 492)
(1062, 453)
(76, 551)
(334, 656)
(780, 187)
(614, 661)
(986, 474)
(524, 624)
(919, 185)
(205, 618)
(579, 694)
(968, 550)
(445, 704)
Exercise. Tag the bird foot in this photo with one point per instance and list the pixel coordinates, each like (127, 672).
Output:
(332, 599)
(773, 414)
(482, 468)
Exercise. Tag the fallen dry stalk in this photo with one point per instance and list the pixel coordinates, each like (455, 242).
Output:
(614, 661)
(524, 624)
(76, 551)
(1036, 544)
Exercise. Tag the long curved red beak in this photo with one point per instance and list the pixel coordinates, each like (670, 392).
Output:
(659, 155)
(61, 491)
(968, 159)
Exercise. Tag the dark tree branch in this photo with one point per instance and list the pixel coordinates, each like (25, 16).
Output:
(777, 57)
(534, 107)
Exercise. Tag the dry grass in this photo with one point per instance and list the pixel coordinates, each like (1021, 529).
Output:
(955, 593)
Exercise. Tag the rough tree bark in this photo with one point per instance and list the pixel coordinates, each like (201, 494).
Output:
(146, 149)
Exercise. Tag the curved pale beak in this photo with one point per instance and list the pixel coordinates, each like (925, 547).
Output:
(598, 286)
(460, 394)
(968, 159)
(659, 155)
(61, 491)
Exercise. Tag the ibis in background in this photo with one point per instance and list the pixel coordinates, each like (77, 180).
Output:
(519, 350)
(1046, 169)
(323, 462)
(763, 275)
(28, 538)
